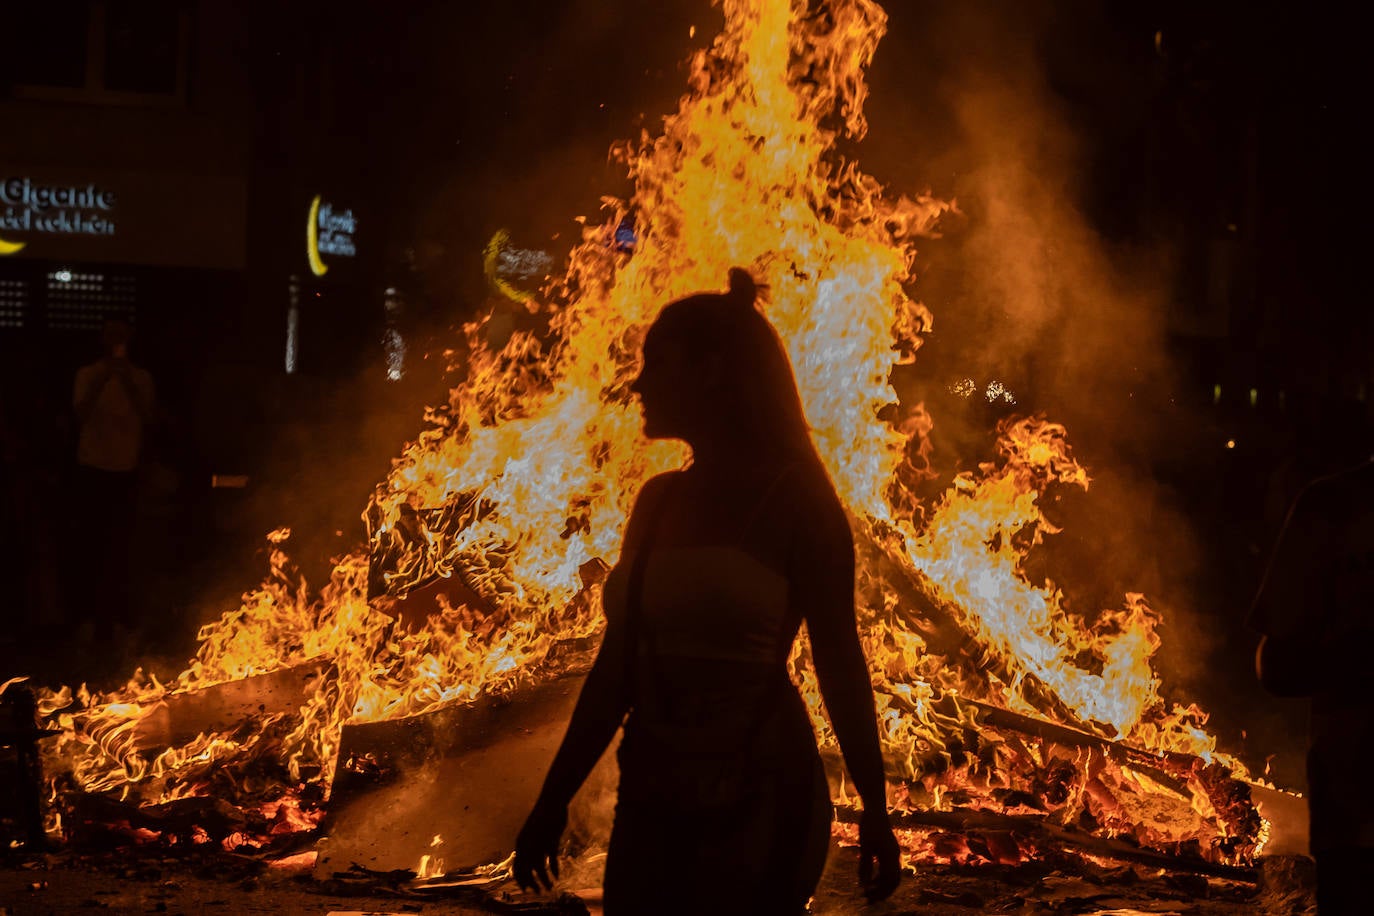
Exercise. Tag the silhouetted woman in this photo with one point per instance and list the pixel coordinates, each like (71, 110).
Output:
(723, 804)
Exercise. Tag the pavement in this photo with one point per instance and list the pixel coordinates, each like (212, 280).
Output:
(205, 884)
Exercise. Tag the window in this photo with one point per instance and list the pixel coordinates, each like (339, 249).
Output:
(120, 52)
(50, 43)
(14, 302)
(81, 301)
(142, 47)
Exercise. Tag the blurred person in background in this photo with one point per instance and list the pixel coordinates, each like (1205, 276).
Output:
(113, 400)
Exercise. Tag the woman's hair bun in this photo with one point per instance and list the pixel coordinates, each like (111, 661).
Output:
(743, 289)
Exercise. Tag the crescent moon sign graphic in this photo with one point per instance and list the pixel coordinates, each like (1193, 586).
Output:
(8, 247)
(489, 259)
(312, 240)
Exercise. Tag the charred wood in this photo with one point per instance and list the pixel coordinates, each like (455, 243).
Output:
(467, 773)
(181, 818)
(937, 623)
(1041, 832)
(19, 737)
(180, 717)
(1160, 768)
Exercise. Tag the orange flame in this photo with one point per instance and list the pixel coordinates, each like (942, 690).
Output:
(525, 475)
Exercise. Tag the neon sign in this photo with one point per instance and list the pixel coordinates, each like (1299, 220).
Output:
(53, 209)
(328, 231)
(506, 266)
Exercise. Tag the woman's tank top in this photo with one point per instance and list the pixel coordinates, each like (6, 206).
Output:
(710, 601)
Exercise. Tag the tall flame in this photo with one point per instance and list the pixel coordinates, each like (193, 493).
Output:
(521, 484)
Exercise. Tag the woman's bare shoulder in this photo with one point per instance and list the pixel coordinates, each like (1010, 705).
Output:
(655, 487)
(648, 501)
(810, 505)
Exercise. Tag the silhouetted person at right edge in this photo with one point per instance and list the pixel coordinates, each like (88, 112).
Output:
(1315, 610)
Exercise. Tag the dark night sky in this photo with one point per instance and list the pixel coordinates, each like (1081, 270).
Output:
(501, 114)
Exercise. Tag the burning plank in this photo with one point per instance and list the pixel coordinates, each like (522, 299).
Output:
(934, 620)
(179, 717)
(1027, 836)
(454, 785)
(1086, 790)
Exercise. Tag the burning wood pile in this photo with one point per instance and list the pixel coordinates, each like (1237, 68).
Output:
(1014, 726)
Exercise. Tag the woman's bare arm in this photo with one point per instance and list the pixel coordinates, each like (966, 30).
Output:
(600, 711)
(604, 701)
(823, 581)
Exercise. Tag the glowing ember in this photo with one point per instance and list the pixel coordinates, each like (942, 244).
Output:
(523, 480)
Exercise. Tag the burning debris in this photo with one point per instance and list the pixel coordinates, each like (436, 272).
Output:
(1014, 727)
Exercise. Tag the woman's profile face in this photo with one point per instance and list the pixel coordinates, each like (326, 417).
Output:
(668, 389)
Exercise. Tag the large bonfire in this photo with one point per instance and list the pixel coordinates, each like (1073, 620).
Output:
(522, 482)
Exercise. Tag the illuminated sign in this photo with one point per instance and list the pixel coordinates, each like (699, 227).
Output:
(53, 209)
(328, 232)
(508, 269)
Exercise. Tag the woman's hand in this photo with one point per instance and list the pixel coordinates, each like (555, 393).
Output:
(878, 846)
(536, 848)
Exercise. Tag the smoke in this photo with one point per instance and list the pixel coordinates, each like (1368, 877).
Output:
(1036, 119)
(1029, 290)
(323, 445)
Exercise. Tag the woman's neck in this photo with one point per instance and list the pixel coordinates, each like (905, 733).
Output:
(722, 460)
